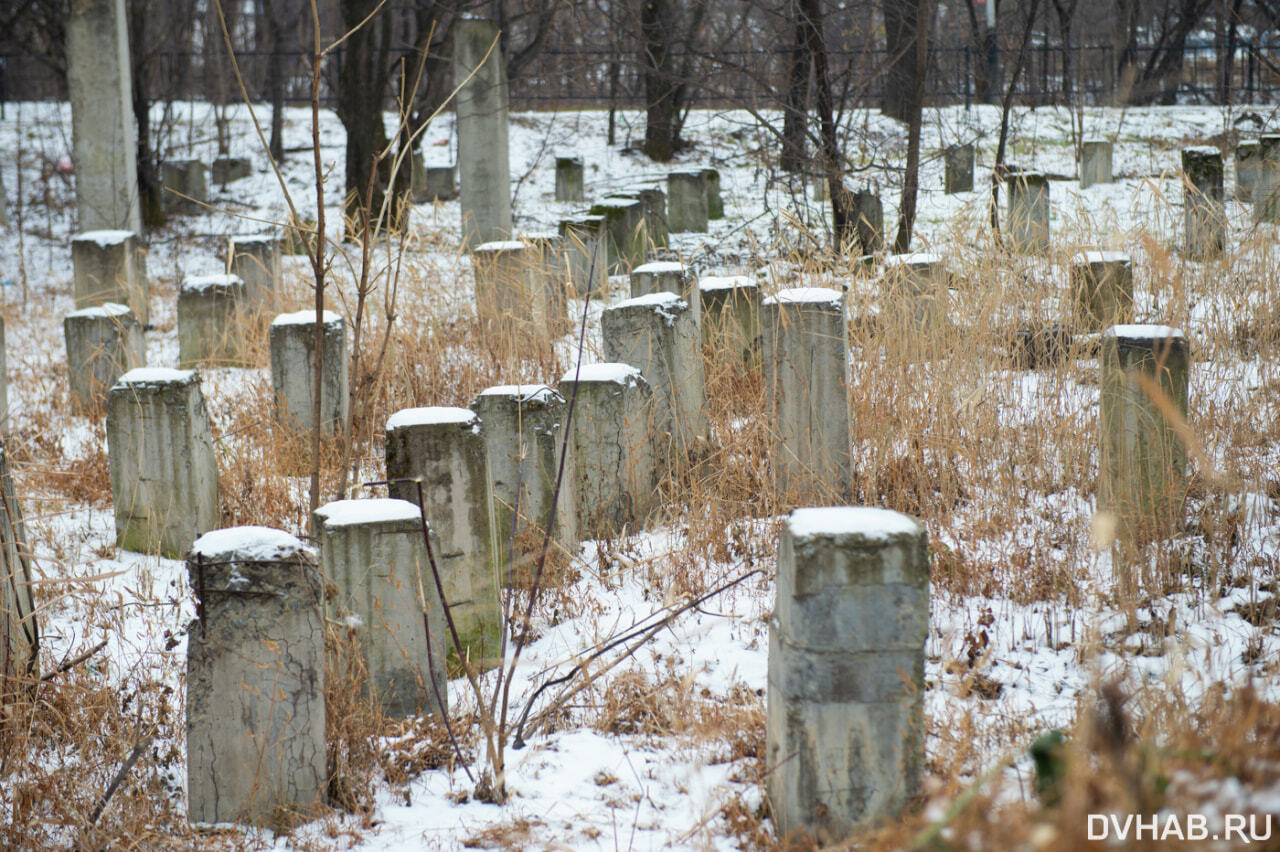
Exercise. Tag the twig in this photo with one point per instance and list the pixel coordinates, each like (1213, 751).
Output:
(71, 664)
(129, 761)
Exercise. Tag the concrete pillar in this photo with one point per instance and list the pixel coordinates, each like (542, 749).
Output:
(255, 680)
(612, 451)
(19, 623)
(844, 729)
(658, 334)
(481, 109)
(1266, 187)
(1142, 462)
(164, 477)
(664, 276)
(1248, 168)
(103, 143)
(806, 369)
(256, 260)
(1101, 289)
(523, 428)
(228, 169)
(731, 316)
(1028, 227)
(1204, 219)
(444, 449)
(432, 183)
(186, 185)
(110, 267)
(515, 293)
(293, 363)
(1095, 162)
(916, 289)
(103, 343)
(624, 225)
(958, 163)
(569, 179)
(586, 254)
(4, 382)
(373, 551)
(868, 217)
(209, 320)
(655, 216)
(715, 203)
(551, 281)
(687, 202)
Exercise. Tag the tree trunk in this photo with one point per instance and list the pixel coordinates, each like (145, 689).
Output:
(901, 22)
(360, 87)
(915, 107)
(659, 93)
(795, 118)
(275, 76)
(1159, 80)
(150, 192)
(842, 219)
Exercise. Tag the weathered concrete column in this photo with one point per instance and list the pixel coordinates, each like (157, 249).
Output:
(110, 267)
(1204, 219)
(432, 183)
(255, 680)
(586, 254)
(551, 281)
(186, 184)
(715, 202)
(4, 381)
(523, 428)
(293, 364)
(731, 316)
(103, 343)
(373, 551)
(664, 276)
(1142, 461)
(658, 334)
(19, 621)
(256, 260)
(687, 202)
(1266, 187)
(624, 226)
(514, 291)
(228, 169)
(806, 370)
(655, 216)
(103, 143)
(1101, 289)
(916, 289)
(164, 478)
(481, 108)
(569, 179)
(845, 707)
(868, 217)
(1248, 168)
(444, 448)
(1028, 210)
(612, 450)
(209, 320)
(958, 168)
(1095, 162)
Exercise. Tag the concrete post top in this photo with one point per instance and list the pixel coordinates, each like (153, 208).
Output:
(106, 309)
(433, 415)
(581, 222)
(306, 318)
(660, 267)
(1247, 147)
(204, 283)
(620, 374)
(524, 394)
(727, 282)
(696, 174)
(104, 238)
(154, 377)
(500, 246)
(1017, 174)
(1098, 256)
(617, 202)
(817, 296)
(660, 302)
(237, 240)
(1143, 332)
(1094, 140)
(568, 160)
(869, 524)
(1201, 151)
(373, 510)
(247, 544)
(915, 258)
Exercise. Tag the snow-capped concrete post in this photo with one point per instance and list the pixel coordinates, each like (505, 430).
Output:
(1248, 167)
(687, 202)
(256, 260)
(228, 169)
(916, 289)
(868, 218)
(255, 680)
(164, 477)
(523, 428)
(208, 320)
(103, 343)
(1266, 187)
(655, 216)
(373, 551)
(444, 449)
(666, 276)
(100, 85)
(958, 173)
(586, 254)
(1142, 460)
(110, 267)
(806, 369)
(1101, 289)
(1204, 218)
(1095, 162)
(186, 185)
(293, 364)
(514, 290)
(613, 454)
(844, 728)
(1028, 210)
(624, 227)
(551, 281)
(715, 202)
(657, 334)
(481, 108)
(569, 179)
(731, 316)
